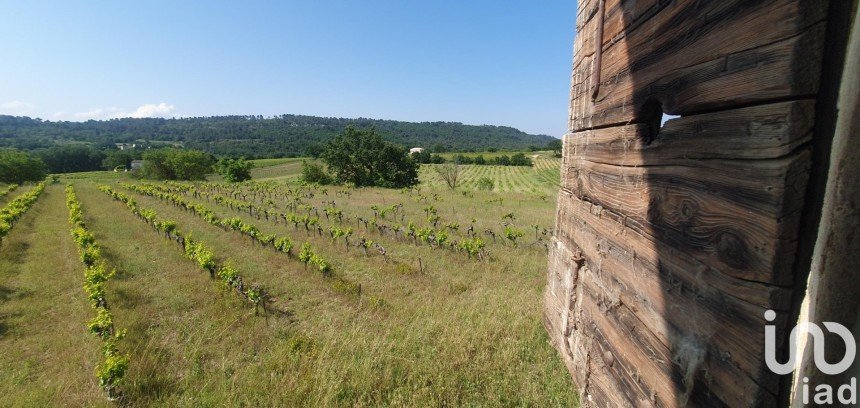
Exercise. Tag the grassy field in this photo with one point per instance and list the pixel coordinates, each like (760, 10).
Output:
(263, 163)
(489, 155)
(430, 325)
(542, 179)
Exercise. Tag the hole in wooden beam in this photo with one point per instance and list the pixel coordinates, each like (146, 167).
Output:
(651, 115)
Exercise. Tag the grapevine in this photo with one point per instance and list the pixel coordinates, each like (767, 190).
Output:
(282, 244)
(17, 207)
(196, 251)
(111, 371)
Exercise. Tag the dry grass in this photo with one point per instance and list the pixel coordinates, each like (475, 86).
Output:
(461, 332)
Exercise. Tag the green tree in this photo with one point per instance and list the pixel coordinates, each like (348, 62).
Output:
(555, 146)
(421, 157)
(176, 164)
(520, 159)
(72, 158)
(120, 158)
(315, 173)
(361, 157)
(18, 167)
(253, 137)
(314, 150)
(234, 170)
(485, 183)
(460, 159)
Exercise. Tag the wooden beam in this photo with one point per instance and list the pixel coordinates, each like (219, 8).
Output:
(767, 131)
(695, 209)
(701, 71)
(668, 291)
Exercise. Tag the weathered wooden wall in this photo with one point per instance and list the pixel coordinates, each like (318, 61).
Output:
(671, 242)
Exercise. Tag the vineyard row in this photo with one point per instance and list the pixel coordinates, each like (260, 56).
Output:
(111, 370)
(283, 244)
(197, 252)
(13, 211)
(436, 237)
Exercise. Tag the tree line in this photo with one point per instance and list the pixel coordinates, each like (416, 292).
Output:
(18, 167)
(360, 157)
(259, 137)
(517, 159)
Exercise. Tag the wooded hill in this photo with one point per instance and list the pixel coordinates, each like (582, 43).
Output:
(256, 136)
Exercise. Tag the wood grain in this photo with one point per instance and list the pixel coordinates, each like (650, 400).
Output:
(688, 230)
(758, 75)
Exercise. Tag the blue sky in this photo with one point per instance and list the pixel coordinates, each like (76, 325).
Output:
(476, 62)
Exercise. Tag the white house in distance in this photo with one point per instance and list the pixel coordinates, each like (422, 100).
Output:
(416, 150)
(123, 146)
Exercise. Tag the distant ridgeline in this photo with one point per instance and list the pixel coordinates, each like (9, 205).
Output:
(255, 136)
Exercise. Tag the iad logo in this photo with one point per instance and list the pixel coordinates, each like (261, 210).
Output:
(847, 394)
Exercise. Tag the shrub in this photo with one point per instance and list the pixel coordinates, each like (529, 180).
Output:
(234, 170)
(315, 173)
(520, 159)
(485, 183)
(176, 164)
(18, 167)
(450, 173)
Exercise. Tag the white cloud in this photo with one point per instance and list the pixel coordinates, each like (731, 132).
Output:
(15, 105)
(97, 113)
(15, 108)
(90, 114)
(151, 110)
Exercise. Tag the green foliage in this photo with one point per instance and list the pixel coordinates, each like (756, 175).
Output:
(347, 287)
(485, 183)
(90, 254)
(167, 227)
(17, 207)
(234, 170)
(315, 173)
(471, 247)
(102, 324)
(520, 159)
(555, 145)
(256, 137)
(362, 158)
(120, 159)
(284, 244)
(195, 250)
(19, 167)
(422, 157)
(305, 253)
(72, 158)
(254, 295)
(10, 188)
(176, 164)
(513, 234)
(321, 264)
(111, 370)
(228, 274)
